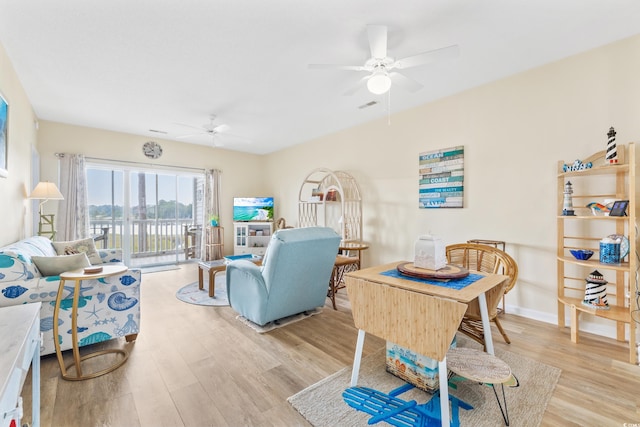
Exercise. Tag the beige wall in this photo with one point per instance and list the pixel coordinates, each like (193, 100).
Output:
(242, 174)
(514, 132)
(15, 214)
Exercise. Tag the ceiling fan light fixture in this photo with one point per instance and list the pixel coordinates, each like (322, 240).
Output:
(379, 82)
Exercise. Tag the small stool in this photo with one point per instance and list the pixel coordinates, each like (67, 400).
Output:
(485, 368)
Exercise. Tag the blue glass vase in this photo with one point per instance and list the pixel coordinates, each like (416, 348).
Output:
(609, 253)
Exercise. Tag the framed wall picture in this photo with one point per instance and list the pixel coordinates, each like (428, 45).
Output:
(619, 208)
(441, 178)
(4, 124)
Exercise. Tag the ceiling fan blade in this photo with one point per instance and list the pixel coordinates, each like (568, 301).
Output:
(377, 41)
(427, 57)
(405, 82)
(190, 135)
(200, 128)
(360, 84)
(220, 128)
(336, 67)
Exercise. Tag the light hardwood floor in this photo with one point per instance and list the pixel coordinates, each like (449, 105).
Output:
(199, 366)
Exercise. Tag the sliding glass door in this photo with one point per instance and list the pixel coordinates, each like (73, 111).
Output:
(152, 215)
(106, 206)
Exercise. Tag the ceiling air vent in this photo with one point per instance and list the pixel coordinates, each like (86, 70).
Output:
(367, 105)
(157, 131)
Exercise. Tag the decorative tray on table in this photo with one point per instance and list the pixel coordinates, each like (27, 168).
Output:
(445, 273)
(92, 270)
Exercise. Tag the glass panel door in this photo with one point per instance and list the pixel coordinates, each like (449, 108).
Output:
(151, 215)
(106, 200)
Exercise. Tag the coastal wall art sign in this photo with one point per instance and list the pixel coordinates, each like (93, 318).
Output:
(441, 182)
(4, 149)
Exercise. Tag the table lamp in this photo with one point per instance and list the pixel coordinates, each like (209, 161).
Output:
(46, 191)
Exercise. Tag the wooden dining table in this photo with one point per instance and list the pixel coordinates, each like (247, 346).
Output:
(390, 321)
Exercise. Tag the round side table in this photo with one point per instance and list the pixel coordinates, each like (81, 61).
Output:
(78, 276)
(347, 247)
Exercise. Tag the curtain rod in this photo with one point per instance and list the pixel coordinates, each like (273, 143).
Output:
(128, 162)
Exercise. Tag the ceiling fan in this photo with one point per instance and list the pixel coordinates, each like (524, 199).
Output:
(208, 129)
(381, 68)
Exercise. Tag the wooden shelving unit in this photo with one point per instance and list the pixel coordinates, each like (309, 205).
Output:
(585, 233)
(339, 206)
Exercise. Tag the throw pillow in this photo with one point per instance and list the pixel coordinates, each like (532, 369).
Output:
(56, 265)
(69, 250)
(85, 245)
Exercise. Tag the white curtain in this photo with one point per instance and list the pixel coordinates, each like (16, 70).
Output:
(73, 218)
(211, 208)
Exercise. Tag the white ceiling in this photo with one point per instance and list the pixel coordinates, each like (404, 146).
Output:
(134, 65)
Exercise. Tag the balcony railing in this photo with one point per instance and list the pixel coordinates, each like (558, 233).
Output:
(148, 238)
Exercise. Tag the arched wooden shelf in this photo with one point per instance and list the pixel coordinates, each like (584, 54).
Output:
(331, 199)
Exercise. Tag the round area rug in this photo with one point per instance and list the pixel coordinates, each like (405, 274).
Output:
(193, 295)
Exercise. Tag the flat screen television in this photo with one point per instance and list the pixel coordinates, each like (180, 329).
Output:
(252, 209)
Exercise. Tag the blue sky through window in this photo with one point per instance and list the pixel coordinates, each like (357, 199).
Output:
(100, 187)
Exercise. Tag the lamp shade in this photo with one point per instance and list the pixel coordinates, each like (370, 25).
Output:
(46, 191)
(379, 82)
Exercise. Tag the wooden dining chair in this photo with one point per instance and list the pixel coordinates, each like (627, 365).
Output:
(485, 259)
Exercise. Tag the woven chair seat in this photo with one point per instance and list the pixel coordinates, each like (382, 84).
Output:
(485, 259)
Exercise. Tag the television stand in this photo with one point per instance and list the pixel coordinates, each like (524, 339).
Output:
(251, 237)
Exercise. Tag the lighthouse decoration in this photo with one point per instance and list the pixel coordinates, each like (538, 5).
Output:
(611, 157)
(595, 294)
(567, 203)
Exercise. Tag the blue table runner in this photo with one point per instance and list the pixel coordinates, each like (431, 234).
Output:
(456, 284)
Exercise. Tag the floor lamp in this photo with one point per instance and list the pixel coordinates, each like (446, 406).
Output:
(46, 191)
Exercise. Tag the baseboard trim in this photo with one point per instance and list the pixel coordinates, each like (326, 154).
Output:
(602, 329)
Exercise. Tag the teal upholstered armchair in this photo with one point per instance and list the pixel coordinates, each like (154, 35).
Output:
(293, 278)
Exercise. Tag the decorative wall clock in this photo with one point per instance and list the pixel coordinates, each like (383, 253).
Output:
(152, 149)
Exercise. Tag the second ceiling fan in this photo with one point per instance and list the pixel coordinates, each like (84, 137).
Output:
(208, 129)
(382, 68)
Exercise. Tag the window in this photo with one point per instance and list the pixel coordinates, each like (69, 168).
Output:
(147, 212)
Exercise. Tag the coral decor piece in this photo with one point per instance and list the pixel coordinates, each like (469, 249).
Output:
(576, 166)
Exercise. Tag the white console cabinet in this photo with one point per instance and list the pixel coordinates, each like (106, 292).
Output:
(251, 237)
(20, 332)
